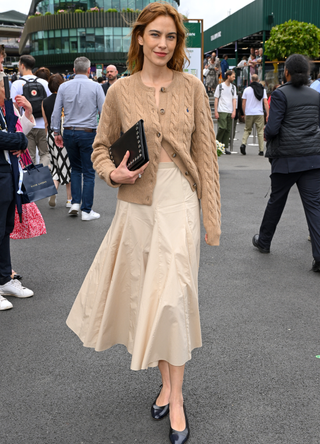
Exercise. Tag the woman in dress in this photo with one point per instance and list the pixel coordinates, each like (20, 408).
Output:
(60, 163)
(142, 288)
(212, 78)
(259, 63)
(243, 64)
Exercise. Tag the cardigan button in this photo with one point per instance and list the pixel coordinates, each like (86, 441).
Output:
(186, 173)
(194, 185)
(162, 89)
(159, 134)
(162, 111)
(174, 155)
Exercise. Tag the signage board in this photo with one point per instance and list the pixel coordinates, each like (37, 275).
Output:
(194, 49)
(99, 70)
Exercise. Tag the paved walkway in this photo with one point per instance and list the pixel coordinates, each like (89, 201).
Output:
(254, 381)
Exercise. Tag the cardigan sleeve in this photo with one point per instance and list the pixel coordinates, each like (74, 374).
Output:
(13, 141)
(204, 154)
(108, 132)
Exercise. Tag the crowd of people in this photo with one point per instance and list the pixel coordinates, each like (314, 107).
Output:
(142, 288)
(48, 106)
(292, 139)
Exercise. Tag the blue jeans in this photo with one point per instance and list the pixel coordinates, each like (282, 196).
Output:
(79, 148)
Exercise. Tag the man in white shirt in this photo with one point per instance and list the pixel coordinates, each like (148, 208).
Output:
(253, 99)
(37, 136)
(225, 104)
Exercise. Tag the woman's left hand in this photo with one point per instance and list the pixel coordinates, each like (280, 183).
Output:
(21, 101)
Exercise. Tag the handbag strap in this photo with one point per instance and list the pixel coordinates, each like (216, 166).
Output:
(27, 167)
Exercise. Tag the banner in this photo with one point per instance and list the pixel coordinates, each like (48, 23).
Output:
(194, 49)
(99, 69)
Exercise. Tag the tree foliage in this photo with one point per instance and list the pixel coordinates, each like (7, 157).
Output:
(293, 37)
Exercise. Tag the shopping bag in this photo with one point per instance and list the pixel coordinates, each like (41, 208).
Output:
(37, 182)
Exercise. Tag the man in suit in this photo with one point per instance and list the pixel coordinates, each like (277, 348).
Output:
(11, 146)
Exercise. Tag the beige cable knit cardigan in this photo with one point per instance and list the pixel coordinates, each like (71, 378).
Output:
(182, 125)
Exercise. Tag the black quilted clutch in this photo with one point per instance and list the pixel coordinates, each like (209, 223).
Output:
(133, 140)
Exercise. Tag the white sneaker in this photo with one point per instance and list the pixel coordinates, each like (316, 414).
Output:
(5, 304)
(14, 288)
(89, 216)
(68, 204)
(52, 201)
(74, 210)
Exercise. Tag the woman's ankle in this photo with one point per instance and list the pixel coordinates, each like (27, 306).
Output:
(176, 400)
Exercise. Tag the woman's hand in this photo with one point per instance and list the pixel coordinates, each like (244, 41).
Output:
(123, 175)
(21, 101)
(17, 153)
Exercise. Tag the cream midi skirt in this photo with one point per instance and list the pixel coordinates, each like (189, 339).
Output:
(142, 287)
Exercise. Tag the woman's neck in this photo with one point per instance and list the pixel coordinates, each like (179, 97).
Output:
(153, 75)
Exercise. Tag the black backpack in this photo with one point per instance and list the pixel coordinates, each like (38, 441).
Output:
(233, 89)
(34, 92)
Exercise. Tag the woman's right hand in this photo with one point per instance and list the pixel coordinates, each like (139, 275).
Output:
(122, 175)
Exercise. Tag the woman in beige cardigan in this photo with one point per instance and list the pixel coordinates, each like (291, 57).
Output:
(142, 288)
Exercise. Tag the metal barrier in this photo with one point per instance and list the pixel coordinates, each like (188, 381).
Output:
(231, 138)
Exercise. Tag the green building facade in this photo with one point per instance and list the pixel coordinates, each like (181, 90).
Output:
(251, 25)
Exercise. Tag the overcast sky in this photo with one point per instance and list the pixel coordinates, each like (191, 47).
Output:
(211, 11)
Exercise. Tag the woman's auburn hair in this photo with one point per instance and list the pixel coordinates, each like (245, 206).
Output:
(148, 15)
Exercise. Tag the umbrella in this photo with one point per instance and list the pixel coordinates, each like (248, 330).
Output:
(11, 118)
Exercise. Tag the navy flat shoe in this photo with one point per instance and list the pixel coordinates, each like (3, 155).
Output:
(157, 412)
(180, 437)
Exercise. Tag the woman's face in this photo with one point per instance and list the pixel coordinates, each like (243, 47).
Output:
(159, 41)
(2, 93)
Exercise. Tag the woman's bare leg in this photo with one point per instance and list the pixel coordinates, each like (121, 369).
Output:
(164, 396)
(68, 189)
(177, 417)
